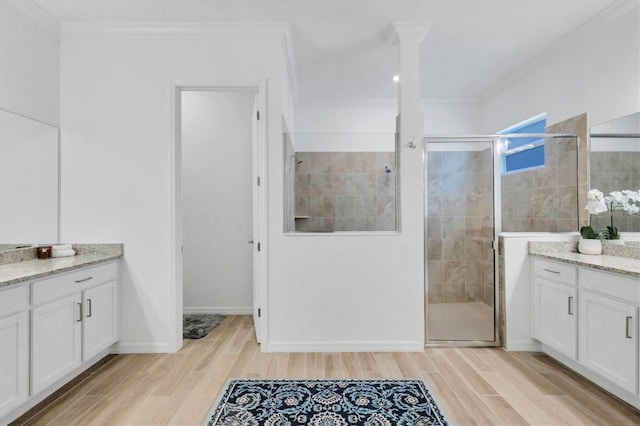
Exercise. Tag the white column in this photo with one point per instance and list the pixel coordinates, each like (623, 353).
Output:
(408, 37)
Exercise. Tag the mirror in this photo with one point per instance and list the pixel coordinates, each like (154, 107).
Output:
(29, 172)
(615, 165)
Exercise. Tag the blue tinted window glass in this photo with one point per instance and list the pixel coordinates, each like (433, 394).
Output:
(525, 159)
(529, 158)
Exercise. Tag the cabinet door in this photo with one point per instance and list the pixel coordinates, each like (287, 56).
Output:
(100, 319)
(14, 361)
(555, 322)
(55, 340)
(609, 339)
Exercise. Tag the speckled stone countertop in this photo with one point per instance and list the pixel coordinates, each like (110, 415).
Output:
(30, 268)
(567, 252)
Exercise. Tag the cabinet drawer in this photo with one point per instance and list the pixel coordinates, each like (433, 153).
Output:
(14, 299)
(62, 285)
(554, 271)
(610, 284)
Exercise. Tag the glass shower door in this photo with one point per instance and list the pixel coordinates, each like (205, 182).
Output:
(460, 231)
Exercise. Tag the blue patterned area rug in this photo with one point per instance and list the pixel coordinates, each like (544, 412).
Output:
(370, 402)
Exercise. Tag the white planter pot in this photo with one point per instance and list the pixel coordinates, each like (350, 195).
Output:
(590, 246)
(614, 242)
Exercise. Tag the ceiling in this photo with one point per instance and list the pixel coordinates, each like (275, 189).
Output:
(340, 47)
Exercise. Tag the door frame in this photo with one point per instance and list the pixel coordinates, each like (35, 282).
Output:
(259, 166)
(494, 140)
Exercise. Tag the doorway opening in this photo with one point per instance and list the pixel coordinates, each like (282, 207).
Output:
(218, 163)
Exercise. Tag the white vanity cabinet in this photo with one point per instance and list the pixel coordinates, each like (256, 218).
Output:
(588, 320)
(14, 347)
(609, 327)
(554, 307)
(74, 318)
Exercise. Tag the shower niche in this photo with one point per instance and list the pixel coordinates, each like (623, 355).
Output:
(339, 182)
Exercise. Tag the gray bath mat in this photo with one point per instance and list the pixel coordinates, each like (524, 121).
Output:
(196, 326)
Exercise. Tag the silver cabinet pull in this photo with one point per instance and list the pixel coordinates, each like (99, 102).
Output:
(84, 279)
(250, 241)
(628, 331)
(79, 312)
(551, 270)
(89, 308)
(570, 305)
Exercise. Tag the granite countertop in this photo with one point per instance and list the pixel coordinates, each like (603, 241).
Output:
(87, 255)
(565, 252)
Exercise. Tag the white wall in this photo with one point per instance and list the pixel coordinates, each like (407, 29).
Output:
(593, 70)
(29, 62)
(379, 116)
(117, 161)
(217, 201)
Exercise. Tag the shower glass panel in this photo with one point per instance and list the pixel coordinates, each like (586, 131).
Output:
(460, 234)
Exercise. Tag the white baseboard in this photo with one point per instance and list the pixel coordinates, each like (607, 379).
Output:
(349, 346)
(524, 346)
(43, 394)
(226, 310)
(141, 348)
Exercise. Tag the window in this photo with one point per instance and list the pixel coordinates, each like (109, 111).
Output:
(524, 153)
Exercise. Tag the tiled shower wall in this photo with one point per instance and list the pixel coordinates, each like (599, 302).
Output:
(345, 191)
(615, 171)
(547, 199)
(460, 227)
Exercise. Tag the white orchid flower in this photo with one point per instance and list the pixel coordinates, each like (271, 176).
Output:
(595, 202)
(632, 209)
(632, 195)
(616, 196)
(595, 195)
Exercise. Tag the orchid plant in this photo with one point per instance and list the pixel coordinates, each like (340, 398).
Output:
(627, 201)
(595, 206)
(620, 200)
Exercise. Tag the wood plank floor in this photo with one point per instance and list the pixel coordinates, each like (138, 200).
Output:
(472, 385)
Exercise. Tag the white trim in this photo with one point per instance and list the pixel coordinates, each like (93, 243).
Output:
(592, 26)
(524, 123)
(222, 310)
(391, 102)
(263, 201)
(398, 30)
(36, 13)
(530, 345)
(34, 400)
(142, 348)
(174, 30)
(260, 88)
(175, 218)
(345, 346)
(609, 386)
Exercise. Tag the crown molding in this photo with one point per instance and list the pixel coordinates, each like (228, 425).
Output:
(315, 102)
(606, 17)
(398, 30)
(281, 31)
(37, 14)
(173, 30)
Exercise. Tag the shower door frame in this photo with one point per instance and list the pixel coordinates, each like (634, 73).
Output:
(494, 141)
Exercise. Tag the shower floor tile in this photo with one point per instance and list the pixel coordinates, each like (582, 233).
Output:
(461, 321)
